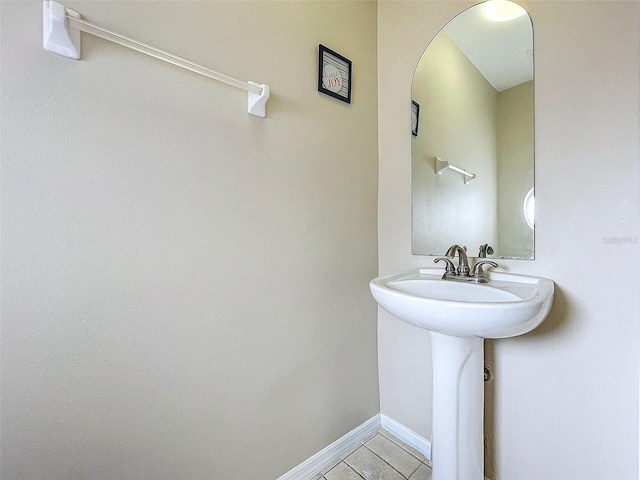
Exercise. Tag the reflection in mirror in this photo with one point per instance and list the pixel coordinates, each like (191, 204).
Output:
(474, 88)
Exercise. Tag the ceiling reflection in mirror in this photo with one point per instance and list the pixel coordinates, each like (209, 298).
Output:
(473, 155)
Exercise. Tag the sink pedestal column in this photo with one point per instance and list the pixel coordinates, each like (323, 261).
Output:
(457, 443)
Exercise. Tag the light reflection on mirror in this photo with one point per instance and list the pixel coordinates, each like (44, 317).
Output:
(529, 208)
(502, 11)
(474, 88)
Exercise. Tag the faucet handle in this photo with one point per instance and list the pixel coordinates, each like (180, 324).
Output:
(485, 249)
(450, 268)
(477, 269)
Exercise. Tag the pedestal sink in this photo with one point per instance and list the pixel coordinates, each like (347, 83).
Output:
(460, 316)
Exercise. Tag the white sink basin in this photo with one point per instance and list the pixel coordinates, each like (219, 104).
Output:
(507, 306)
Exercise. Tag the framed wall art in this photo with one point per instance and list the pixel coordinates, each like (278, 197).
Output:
(334, 74)
(415, 117)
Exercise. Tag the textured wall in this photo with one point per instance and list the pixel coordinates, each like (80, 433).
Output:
(565, 400)
(184, 286)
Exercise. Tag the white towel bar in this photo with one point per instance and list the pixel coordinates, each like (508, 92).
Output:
(61, 35)
(442, 165)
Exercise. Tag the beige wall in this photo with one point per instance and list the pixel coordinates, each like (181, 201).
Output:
(141, 204)
(566, 395)
(458, 124)
(515, 168)
(185, 287)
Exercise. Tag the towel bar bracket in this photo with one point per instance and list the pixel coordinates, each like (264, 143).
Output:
(442, 165)
(57, 37)
(257, 103)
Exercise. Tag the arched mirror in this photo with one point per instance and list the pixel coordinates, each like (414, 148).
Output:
(472, 135)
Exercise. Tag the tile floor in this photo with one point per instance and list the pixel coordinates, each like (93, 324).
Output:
(383, 457)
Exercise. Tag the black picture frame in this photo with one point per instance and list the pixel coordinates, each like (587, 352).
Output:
(415, 117)
(334, 68)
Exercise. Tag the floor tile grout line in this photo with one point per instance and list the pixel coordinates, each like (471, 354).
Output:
(362, 443)
(344, 456)
(349, 467)
(399, 473)
(421, 464)
(403, 449)
(399, 443)
(357, 473)
(416, 469)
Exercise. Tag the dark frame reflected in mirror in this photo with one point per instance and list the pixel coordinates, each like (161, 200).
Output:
(476, 79)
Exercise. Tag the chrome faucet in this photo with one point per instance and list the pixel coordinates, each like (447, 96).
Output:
(463, 261)
(461, 274)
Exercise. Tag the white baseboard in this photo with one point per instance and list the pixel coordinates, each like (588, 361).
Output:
(332, 454)
(409, 437)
